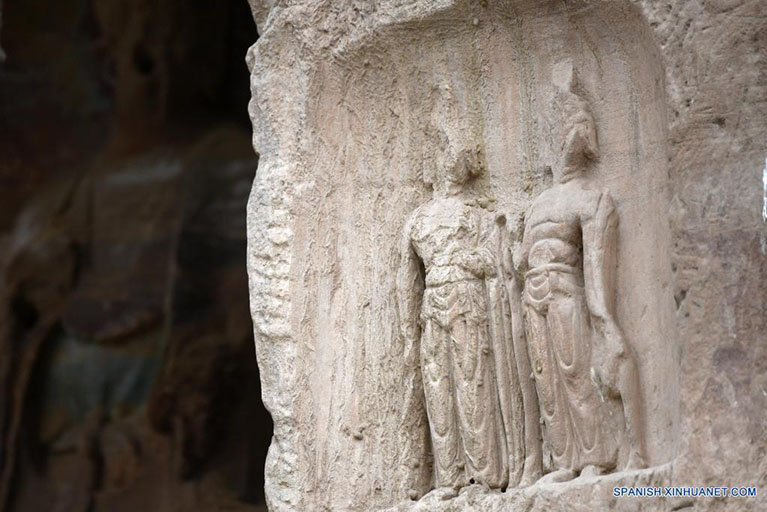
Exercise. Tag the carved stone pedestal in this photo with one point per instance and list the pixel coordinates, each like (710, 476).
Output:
(585, 494)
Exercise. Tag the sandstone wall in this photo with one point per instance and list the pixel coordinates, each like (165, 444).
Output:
(345, 96)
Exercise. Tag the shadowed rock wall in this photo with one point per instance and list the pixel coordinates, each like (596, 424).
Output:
(128, 378)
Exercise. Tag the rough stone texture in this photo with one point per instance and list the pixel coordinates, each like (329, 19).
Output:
(344, 113)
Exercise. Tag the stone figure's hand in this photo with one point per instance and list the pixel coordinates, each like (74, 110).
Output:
(468, 261)
(610, 372)
(475, 262)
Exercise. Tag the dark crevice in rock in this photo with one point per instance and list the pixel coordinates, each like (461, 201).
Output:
(126, 163)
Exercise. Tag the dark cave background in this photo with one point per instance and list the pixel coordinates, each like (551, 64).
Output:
(128, 379)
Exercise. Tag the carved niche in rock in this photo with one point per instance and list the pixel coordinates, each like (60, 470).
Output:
(462, 304)
(585, 373)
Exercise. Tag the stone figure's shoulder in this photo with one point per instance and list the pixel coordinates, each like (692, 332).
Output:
(599, 196)
(594, 200)
(587, 194)
(416, 216)
(606, 197)
(419, 212)
(549, 192)
(545, 198)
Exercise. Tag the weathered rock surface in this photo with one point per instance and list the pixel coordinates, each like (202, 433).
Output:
(346, 121)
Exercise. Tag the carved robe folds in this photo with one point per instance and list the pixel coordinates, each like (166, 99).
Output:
(574, 344)
(470, 384)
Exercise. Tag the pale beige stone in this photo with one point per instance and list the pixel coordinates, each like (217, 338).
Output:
(457, 325)
(348, 108)
(585, 371)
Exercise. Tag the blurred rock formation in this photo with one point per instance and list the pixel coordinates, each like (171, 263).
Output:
(128, 376)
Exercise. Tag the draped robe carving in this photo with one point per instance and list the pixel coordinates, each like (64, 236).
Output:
(571, 335)
(459, 315)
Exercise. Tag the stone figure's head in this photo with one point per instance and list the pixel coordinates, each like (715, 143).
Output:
(460, 162)
(459, 157)
(576, 131)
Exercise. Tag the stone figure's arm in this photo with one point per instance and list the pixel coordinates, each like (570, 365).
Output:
(599, 265)
(599, 243)
(616, 375)
(410, 287)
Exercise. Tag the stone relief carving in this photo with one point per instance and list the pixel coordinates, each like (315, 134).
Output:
(341, 171)
(585, 373)
(457, 319)
(474, 320)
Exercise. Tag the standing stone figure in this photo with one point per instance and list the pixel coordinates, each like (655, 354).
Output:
(455, 315)
(585, 373)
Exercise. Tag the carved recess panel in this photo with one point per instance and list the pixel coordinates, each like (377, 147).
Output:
(353, 127)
